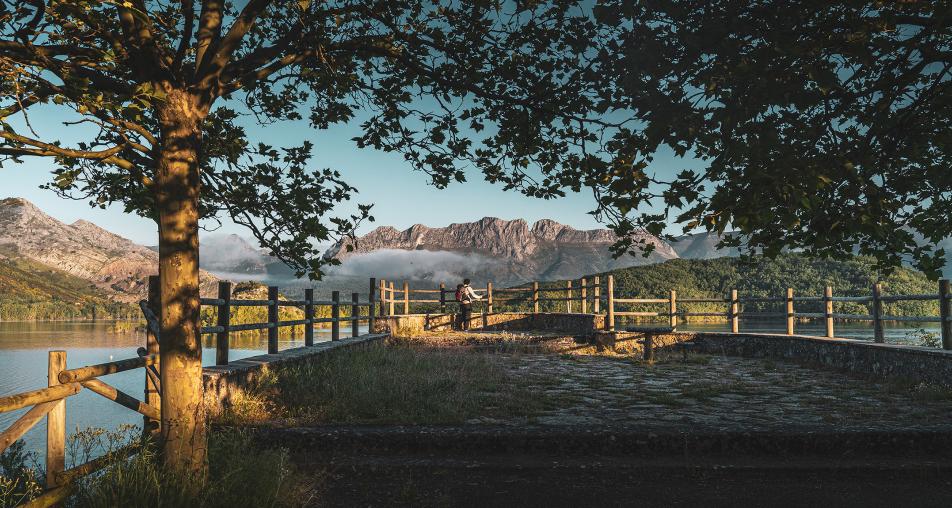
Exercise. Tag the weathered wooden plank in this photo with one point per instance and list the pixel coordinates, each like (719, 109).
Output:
(828, 310)
(878, 333)
(122, 398)
(104, 369)
(790, 315)
(355, 315)
(33, 397)
(55, 423)
(273, 318)
(224, 320)
(335, 315)
(610, 318)
(25, 423)
(945, 311)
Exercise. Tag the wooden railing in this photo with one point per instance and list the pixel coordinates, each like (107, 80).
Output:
(50, 402)
(225, 302)
(593, 297)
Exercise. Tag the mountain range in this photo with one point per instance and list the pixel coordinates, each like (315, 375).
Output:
(490, 249)
(504, 251)
(114, 265)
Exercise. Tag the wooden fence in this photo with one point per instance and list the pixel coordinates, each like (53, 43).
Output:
(594, 297)
(50, 402)
(224, 304)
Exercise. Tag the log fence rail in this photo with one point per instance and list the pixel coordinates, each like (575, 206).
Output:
(603, 298)
(50, 402)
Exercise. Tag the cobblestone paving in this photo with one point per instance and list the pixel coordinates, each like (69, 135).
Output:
(717, 392)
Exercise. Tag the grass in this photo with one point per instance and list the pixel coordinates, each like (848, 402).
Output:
(382, 384)
(239, 475)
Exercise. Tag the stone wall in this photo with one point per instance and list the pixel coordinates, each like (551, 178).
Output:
(575, 324)
(910, 363)
(222, 382)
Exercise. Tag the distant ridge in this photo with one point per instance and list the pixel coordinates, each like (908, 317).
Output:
(113, 264)
(508, 251)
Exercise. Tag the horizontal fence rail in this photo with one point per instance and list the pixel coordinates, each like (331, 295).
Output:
(591, 296)
(224, 303)
(50, 403)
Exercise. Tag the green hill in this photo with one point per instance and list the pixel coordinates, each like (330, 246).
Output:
(34, 291)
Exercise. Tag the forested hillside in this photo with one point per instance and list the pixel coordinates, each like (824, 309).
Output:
(33, 291)
(770, 277)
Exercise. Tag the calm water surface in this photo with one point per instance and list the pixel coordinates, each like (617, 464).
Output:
(23, 364)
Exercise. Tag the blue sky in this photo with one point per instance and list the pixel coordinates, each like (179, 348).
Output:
(401, 196)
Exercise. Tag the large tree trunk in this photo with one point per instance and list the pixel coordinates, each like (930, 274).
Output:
(177, 191)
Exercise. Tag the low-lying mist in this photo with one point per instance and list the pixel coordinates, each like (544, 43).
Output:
(416, 265)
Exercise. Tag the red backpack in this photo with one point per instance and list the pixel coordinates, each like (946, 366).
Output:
(459, 295)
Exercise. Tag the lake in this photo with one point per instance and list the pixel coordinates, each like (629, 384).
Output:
(23, 363)
(24, 346)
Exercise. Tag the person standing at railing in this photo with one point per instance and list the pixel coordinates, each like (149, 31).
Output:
(466, 299)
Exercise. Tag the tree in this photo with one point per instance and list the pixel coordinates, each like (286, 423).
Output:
(820, 125)
(156, 90)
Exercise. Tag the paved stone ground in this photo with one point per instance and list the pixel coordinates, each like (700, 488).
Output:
(578, 386)
(581, 390)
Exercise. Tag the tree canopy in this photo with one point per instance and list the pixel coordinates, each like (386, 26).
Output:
(822, 125)
(502, 88)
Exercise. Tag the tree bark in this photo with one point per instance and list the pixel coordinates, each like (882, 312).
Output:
(177, 192)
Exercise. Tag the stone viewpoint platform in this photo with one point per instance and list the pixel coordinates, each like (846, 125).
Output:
(739, 420)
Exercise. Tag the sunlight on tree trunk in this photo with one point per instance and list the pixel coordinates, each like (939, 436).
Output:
(183, 434)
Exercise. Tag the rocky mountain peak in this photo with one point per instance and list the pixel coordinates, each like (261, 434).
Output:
(82, 249)
(507, 250)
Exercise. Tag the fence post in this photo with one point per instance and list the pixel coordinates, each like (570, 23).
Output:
(150, 426)
(224, 321)
(673, 309)
(406, 298)
(535, 297)
(878, 335)
(568, 297)
(383, 297)
(273, 319)
(335, 315)
(392, 300)
(610, 308)
(789, 311)
(371, 307)
(828, 310)
(734, 312)
(596, 304)
(489, 297)
(354, 314)
(584, 297)
(309, 315)
(442, 298)
(945, 310)
(55, 424)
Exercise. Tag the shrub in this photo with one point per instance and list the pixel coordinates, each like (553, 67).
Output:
(18, 476)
